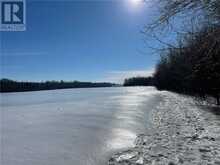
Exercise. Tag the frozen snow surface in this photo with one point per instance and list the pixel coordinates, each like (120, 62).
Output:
(72, 126)
(87, 126)
(183, 132)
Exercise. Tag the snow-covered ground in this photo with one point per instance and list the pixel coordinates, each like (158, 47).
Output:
(182, 132)
(86, 126)
(72, 126)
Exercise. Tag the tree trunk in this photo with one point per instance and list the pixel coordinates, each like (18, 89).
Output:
(218, 99)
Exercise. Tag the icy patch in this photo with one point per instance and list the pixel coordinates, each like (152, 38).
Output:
(121, 138)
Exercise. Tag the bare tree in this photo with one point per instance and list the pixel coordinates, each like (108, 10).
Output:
(191, 62)
(169, 9)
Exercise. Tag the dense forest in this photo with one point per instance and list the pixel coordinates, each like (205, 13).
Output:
(194, 68)
(191, 65)
(139, 81)
(7, 85)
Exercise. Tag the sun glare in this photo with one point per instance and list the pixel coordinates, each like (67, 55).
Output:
(135, 3)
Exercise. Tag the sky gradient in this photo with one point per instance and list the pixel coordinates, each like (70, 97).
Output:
(79, 40)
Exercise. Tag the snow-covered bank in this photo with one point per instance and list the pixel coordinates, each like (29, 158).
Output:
(182, 133)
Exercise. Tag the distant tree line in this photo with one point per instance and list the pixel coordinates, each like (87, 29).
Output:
(192, 65)
(139, 81)
(7, 85)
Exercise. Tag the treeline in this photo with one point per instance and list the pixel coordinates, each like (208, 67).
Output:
(7, 85)
(192, 66)
(139, 81)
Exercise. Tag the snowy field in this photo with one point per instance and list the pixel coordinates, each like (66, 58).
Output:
(183, 132)
(72, 126)
(135, 125)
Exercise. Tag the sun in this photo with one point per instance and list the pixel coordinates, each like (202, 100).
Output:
(134, 6)
(135, 2)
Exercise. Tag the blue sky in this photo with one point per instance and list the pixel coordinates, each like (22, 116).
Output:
(96, 40)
